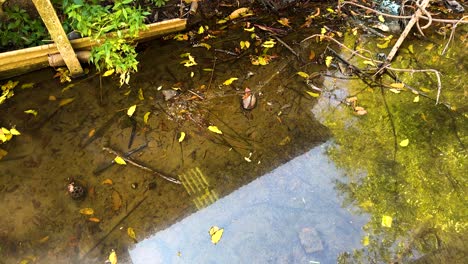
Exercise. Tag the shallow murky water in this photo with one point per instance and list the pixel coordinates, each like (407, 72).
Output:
(281, 194)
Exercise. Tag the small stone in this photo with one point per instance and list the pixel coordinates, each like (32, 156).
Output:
(134, 185)
(310, 240)
(169, 94)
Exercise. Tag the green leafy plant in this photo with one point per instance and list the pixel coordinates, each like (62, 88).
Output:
(159, 3)
(19, 30)
(116, 52)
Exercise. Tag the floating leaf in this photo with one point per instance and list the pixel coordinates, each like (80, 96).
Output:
(312, 94)
(215, 129)
(182, 136)
(365, 241)
(416, 99)
(269, 43)
(323, 31)
(244, 44)
(398, 85)
(284, 21)
(108, 72)
(112, 257)
(131, 234)
(131, 110)
(107, 181)
(32, 112)
(27, 85)
(404, 143)
(381, 19)
(146, 117)
(94, 219)
(393, 90)
(119, 160)
(201, 30)
(216, 233)
(14, 132)
(252, 29)
(387, 221)
(87, 211)
(368, 62)
(303, 75)
(140, 95)
(66, 101)
(328, 61)
(230, 80)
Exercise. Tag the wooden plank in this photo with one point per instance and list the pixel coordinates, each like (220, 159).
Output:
(13, 63)
(48, 15)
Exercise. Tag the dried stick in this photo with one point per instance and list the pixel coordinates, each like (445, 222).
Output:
(452, 34)
(405, 32)
(130, 161)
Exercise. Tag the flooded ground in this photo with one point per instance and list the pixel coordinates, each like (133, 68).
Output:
(280, 194)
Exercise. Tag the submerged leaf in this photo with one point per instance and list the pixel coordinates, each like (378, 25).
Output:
(140, 95)
(328, 61)
(94, 219)
(27, 85)
(215, 129)
(66, 101)
(131, 110)
(131, 234)
(146, 117)
(119, 160)
(216, 233)
(32, 112)
(87, 211)
(303, 75)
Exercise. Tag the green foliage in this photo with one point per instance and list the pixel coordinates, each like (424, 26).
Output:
(116, 52)
(159, 3)
(19, 30)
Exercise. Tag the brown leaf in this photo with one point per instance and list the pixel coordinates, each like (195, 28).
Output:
(116, 201)
(312, 55)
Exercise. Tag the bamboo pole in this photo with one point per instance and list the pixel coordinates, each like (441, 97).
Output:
(48, 15)
(17, 62)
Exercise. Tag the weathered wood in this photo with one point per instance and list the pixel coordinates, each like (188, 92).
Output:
(18, 62)
(48, 15)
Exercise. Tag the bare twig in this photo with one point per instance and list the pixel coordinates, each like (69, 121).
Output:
(130, 161)
(286, 45)
(452, 34)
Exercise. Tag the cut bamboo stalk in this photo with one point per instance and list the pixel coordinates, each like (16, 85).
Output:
(17, 62)
(48, 15)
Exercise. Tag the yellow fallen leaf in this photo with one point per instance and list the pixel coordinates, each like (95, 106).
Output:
(244, 44)
(239, 12)
(201, 30)
(94, 219)
(66, 101)
(381, 19)
(146, 117)
(303, 75)
(107, 181)
(269, 43)
(398, 85)
(215, 129)
(328, 61)
(252, 29)
(107, 73)
(32, 112)
(43, 240)
(383, 45)
(387, 221)
(119, 160)
(365, 241)
(411, 49)
(87, 211)
(112, 257)
(312, 94)
(368, 62)
(52, 98)
(131, 234)
(91, 132)
(192, 74)
(182, 136)
(140, 95)
(216, 233)
(27, 85)
(14, 132)
(416, 99)
(404, 143)
(66, 88)
(205, 45)
(284, 21)
(230, 80)
(131, 110)
(393, 90)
